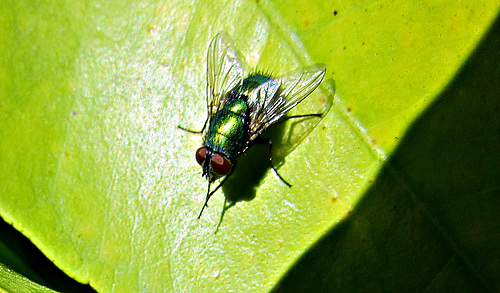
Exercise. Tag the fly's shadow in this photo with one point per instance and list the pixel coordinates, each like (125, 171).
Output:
(252, 166)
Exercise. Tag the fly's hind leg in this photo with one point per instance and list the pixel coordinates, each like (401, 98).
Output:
(194, 131)
(189, 130)
(319, 115)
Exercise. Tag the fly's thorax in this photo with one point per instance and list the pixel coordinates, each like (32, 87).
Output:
(228, 129)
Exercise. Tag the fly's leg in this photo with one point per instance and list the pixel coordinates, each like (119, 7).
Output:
(270, 144)
(189, 130)
(301, 116)
(210, 193)
(194, 131)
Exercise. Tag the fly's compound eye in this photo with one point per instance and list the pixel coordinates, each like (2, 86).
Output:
(201, 153)
(220, 164)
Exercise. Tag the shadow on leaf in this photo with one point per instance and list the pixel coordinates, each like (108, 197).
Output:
(430, 221)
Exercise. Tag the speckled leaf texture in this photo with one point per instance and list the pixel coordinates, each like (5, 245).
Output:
(397, 188)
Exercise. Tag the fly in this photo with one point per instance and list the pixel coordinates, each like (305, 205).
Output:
(241, 108)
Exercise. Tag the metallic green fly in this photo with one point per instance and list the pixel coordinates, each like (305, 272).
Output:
(241, 108)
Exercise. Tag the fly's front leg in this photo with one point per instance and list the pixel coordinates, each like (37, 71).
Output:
(210, 193)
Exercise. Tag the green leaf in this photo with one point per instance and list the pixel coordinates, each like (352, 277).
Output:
(94, 170)
(10, 281)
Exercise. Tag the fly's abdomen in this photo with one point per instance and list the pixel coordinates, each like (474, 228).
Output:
(227, 128)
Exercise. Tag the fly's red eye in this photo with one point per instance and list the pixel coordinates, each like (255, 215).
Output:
(201, 153)
(220, 164)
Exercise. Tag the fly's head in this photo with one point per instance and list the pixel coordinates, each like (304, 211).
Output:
(215, 165)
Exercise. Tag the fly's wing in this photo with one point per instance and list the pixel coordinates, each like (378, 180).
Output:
(264, 101)
(274, 98)
(224, 71)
